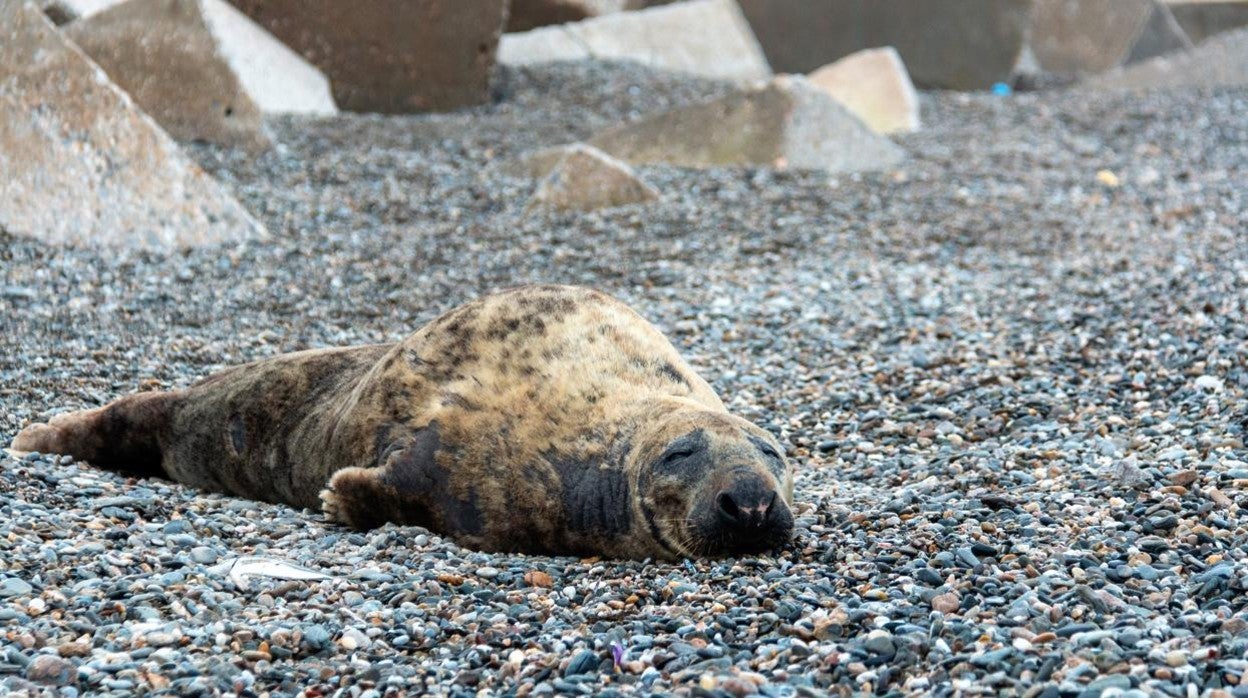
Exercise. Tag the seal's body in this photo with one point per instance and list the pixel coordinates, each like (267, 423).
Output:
(545, 419)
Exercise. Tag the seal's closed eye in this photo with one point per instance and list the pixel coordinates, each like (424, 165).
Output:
(680, 452)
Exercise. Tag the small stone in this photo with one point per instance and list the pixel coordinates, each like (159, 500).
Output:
(538, 578)
(203, 555)
(12, 586)
(353, 639)
(50, 669)
(583, 662)
(1184, 477)
(946, 603)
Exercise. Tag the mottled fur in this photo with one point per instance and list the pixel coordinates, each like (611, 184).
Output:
(530, 420)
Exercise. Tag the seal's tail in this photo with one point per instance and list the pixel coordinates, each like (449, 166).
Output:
(125, 435)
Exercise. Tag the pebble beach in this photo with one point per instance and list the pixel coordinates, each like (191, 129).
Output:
(1011, 375)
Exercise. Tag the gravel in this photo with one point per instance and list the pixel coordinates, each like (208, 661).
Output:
(1011, 375)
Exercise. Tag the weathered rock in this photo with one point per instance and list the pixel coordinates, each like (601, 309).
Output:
(201, 68)
(392, 56)
(1221, 61)
(164, 55)
(538, 163)
(1073, 37)
(785, 123)
(709, 38)
(531, 14)
(586, 178)
(1202, 19)
(82, 164)
(874, 85)
(951, 44)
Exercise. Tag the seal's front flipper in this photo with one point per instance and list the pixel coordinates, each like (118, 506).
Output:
(357, 497)
(126, 435)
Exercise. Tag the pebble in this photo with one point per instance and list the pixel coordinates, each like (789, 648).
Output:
(12, 586)
(50, 669)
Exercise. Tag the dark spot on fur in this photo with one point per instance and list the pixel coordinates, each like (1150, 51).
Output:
(647, 512)
(417, 476)
(596, 500)
(413, 358)
(453, 398)
(238, 435)
(667, 370)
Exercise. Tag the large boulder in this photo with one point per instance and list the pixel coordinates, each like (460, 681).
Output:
(201, 68)
(585, 179)
(1220, 61)
(392, 56)
(948, 44)
(786, 122)
(709, 38)
(1077, 37)
(1202, 19)
(874, 85)
(82, 164)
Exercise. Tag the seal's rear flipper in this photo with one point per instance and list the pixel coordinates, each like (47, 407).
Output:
(125, 435)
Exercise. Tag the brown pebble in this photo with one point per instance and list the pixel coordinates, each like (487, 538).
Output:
(51, 670)
(538, 578)
(1216, 496)
(1043, 638)
(946, 603)
(1184, 477)
(74, 649)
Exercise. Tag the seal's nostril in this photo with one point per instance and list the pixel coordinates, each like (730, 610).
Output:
(770, 507)
(728, 506)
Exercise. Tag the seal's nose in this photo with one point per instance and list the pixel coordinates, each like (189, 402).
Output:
(750, 514)
(745, 506)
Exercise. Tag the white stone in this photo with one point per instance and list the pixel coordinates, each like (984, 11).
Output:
(708, 38)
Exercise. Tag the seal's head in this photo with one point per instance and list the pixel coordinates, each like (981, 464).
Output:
(712, 484)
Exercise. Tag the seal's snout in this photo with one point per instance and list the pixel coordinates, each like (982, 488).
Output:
(751, 516)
